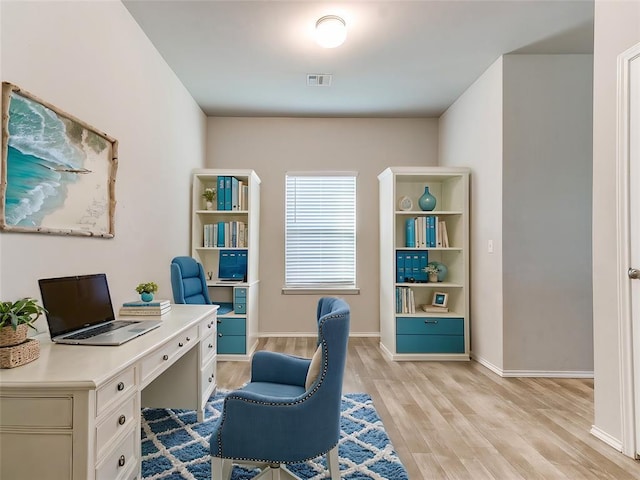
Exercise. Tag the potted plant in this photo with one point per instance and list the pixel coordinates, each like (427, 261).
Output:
(146, 290)
(209, 195)
(16, 318)
(432, 271)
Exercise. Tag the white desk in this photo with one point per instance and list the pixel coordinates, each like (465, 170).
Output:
(74, 413)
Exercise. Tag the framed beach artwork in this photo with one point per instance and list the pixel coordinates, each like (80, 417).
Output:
(57, 172)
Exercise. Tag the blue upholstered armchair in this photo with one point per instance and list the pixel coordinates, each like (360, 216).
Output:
(290, 410)
(188, 281)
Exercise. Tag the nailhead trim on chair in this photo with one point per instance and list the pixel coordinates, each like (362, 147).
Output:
(311, 392)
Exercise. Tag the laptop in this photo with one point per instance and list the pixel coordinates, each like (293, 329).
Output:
(79, 312)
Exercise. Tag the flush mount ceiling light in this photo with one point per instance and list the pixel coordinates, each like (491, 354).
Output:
(331, 31)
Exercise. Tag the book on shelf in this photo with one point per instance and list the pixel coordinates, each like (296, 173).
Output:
(405, 301)
(227, 193)
(153, 303)
(221, 192)
(410, 230)
(444, 237)
(434, 309)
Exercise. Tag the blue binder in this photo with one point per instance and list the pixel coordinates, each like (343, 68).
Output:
(227, 193)
(220, 193)
(232, 265)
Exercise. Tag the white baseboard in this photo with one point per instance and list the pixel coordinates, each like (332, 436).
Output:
(532, 373)
(606, 438)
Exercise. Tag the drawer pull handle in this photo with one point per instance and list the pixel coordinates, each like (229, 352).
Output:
(211, 379)
(121, 461)
(220, 335)
(219, 321)
(433, 322)
(209, 325)
(121, 420)
(165, 357)
(211, 345)
(181, 344)
(188, 339)
(120, 386)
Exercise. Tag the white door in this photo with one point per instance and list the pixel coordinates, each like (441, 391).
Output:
(628, 209)
(634, 228)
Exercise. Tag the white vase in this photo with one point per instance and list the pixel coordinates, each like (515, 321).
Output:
(209, 205)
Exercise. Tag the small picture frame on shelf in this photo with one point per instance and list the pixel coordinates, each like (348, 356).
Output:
(440, 299)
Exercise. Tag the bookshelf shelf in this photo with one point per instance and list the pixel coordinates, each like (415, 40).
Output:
(406, 331)
(231, 230)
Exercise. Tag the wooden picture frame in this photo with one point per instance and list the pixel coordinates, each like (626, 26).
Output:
(57, 173)
(440, 299)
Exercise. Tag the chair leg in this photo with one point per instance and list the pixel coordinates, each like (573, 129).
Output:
(221, 468)
(333, 463)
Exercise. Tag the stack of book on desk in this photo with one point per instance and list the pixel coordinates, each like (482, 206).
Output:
(155, 308)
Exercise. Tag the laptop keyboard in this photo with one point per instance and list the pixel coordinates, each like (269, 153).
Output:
(109, 327)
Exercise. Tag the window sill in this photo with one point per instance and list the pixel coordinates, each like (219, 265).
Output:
(321, 291)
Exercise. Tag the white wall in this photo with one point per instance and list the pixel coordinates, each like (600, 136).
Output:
(273, 146)
(471, 135)
(92, 60)
(546, 221)
(617, 28)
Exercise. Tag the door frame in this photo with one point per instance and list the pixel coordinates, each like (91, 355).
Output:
(630, 393)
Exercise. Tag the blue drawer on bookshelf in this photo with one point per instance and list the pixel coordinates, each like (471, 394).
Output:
(429, 326)
(231, 344)
(430, 343)
(231, 326)
(240, 300)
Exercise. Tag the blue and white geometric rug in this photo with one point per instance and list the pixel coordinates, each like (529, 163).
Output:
(176, 447)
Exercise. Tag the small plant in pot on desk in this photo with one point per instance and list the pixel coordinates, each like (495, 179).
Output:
(16, 318)
(146, 291)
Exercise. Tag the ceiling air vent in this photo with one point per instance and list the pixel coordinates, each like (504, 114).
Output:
(318, 80)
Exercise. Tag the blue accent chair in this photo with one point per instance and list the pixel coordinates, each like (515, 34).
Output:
(188, 282)
(287, 414)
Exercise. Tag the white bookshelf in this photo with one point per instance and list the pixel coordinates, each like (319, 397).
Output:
(423, 335)
(237, 329)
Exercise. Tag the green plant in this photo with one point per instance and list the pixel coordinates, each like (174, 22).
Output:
(148, 287)
(209, 194)
(24, 311)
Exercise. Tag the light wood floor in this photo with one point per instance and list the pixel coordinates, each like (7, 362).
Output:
(459, 420)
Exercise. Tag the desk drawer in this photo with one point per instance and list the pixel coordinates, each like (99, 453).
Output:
(207, 348)
(42, 412)
(117, 465)
(168, 353)
(208, 326)
(115, 390)
(208, 379)
(429, 326)
(116, 422)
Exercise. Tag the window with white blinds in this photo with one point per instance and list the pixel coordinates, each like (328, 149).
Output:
(320, 230)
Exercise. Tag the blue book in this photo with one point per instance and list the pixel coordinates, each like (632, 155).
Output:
(235, 199)
(227, 193)
(411, 232)
(140, 303)
(220, 239)
(220, 193)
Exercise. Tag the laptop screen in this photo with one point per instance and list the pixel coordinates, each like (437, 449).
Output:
(75, 302)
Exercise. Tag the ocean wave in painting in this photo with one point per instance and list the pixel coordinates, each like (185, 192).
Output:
(41, 161)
